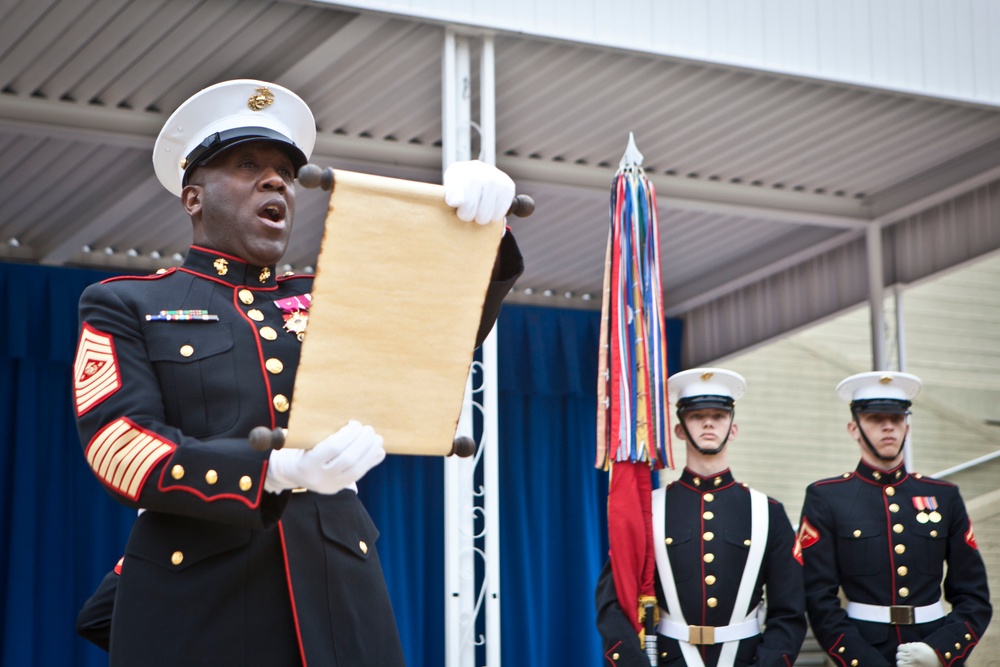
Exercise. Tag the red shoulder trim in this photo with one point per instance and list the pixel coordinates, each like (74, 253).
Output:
(834, 480)
(932, 480)
(151, 276)
(282, 279)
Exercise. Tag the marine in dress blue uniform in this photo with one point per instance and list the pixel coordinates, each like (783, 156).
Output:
(707, 535)
(173, 371)
(884, 536)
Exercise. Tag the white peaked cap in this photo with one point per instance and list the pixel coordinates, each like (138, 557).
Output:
(228, 113)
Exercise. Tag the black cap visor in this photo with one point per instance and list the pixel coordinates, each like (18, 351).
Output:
(882, 406)
(705, 402)
(220, 141)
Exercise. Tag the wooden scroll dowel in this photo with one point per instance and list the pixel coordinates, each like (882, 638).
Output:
(313, 176)
(262, 438)
(463, 447)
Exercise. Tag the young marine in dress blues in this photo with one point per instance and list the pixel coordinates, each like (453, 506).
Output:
(720, 546)
(884, 536)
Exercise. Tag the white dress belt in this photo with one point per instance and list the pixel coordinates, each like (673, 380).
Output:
(895, 614)
(707, 634)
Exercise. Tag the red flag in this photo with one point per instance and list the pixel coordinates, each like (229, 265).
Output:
(630, 533)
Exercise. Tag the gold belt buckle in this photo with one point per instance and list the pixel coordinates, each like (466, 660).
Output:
(701, 634)
(901, 615)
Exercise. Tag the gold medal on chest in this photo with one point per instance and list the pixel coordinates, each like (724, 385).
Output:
(295, 322)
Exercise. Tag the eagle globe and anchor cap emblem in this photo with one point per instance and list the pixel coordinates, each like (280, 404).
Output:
(262, 99)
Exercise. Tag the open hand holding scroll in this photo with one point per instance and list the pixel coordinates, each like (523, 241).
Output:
(478, 191)
(334, 464)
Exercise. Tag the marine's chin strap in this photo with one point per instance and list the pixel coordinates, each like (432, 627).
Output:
(694, 443)
(868, 443)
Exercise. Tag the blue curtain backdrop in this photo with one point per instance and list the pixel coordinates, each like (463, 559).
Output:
(60, 533)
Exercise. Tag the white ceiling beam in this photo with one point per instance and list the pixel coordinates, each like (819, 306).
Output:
(945, 182)
(702, 195)
(76, 121)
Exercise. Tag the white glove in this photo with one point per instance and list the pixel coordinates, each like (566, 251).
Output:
(479, 191)
(917, 654)
(334, 464)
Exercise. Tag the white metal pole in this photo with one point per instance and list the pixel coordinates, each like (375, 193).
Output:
(491, 429)
(458, 472)
(901, 358)
(873, 249)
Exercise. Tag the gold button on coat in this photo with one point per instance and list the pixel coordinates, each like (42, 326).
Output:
(363, 547)
(267, 333)
(933, 533)
(709, 497)
(709, 536)
(211, 477)
(710, 579)
(890, 491)
(709, 558)
(186, 350)
(904, 592)
(615, 656)
(898, 528)
(245, 483)
(854, 663)
(255, 315)
(708, 516)
(841, 649)
(902, 570)
(281, 403)
(177, 557)
(900, 548)
(711, 602)
(669, 540)
(947, 655)
(746, 543)
(246, 296)
(857, 533)
(274, 365)
(894, 508)
(177, 472)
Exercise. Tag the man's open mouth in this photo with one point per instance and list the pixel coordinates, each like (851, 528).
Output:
(273, 211)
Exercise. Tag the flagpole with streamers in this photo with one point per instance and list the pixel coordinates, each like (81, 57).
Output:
(633, 423)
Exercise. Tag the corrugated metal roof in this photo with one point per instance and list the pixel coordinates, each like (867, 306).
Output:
(754, 170)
